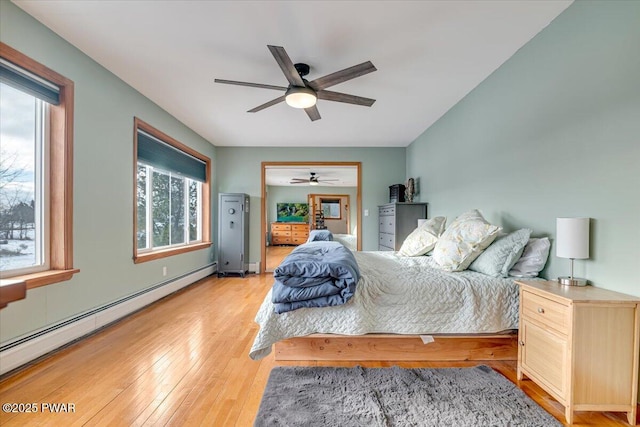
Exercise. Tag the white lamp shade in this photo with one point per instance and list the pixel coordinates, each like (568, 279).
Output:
(572, 238)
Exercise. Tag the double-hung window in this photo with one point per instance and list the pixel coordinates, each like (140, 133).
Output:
(36, 159)
(172, 212)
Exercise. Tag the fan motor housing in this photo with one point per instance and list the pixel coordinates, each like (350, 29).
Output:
(302, 69)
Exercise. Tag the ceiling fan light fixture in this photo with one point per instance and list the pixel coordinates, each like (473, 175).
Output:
(313, 182)
(300, 97)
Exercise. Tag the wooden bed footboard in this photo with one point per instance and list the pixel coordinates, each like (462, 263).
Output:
(390, 347)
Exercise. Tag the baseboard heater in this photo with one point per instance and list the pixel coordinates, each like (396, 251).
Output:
(29, 347)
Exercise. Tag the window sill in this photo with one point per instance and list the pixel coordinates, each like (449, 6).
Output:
(163, 253)
(11, 290)
(42, 278)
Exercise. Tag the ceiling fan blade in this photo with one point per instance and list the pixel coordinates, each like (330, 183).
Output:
(299, 182)
(327, 180)
(260, 85)
(313, 113)
(286, 65)
(267, 104)
(343, 97)
(342, 76)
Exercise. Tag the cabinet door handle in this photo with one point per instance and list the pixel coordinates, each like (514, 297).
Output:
(540, 310)
(522, 343)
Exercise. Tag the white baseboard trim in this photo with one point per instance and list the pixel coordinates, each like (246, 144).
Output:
(29, 347)
(254, 267)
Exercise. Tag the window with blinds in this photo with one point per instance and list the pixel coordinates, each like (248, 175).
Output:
(172, 211)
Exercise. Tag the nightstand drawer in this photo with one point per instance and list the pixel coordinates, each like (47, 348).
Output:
(546, 312)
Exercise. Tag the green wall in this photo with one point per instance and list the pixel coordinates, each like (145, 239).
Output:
(103, 183)
(554, 132)
(239, 169)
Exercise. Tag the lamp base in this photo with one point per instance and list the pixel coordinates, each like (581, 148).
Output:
(572, 281)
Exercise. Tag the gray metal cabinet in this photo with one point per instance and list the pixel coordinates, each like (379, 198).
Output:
(396, 222)
(233, 233)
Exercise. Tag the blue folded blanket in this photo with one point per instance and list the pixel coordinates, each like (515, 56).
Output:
(316, 274)
(319, 235)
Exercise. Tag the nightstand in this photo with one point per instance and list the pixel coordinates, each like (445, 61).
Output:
(580, 344)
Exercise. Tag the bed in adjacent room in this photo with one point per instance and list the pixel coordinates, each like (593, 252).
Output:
(349, 241)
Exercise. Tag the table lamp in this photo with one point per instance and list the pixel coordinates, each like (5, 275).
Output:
(572, 241)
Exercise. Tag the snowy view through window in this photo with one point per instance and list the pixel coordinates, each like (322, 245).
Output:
(20, 129)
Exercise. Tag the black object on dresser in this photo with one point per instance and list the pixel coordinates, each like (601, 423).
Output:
(396, 222)
(396, 193)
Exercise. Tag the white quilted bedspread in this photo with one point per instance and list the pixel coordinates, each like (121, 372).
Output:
(400, 295)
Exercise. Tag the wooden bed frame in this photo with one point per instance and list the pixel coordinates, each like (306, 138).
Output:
(390, 347)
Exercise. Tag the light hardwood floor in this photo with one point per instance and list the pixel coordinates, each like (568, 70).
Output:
(183, 361)
(275, 255)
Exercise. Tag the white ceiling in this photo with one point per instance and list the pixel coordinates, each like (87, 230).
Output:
(429, 55)
(340, 176)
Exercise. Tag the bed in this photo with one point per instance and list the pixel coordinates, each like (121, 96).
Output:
(350, 241)
(398, 297)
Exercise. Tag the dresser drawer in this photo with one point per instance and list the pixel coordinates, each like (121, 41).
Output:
(280, 227)
(280, 233)
(301, 234)
(300, 227)
(387, 210)
(280, 240)
(387, 224)
(546, 312)
(298, 240)
(386, 240)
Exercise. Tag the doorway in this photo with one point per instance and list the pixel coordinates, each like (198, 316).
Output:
(289, 185)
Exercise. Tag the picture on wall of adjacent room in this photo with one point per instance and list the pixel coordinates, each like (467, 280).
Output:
(293, 212)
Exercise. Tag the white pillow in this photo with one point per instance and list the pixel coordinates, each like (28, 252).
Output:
(424, 238)
(533, 258)
(461, 243)
(502, 254)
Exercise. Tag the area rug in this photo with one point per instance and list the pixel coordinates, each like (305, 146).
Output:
(346, 397)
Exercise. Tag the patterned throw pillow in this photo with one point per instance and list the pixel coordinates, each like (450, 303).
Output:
(424, 238)
(502, 254)
(461, 243)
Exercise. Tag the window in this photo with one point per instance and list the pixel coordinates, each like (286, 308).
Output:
(172, 212)
(331, 208)
(36, 160)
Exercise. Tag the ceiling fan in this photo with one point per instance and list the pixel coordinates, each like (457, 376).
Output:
(302, 93)
(312, 180)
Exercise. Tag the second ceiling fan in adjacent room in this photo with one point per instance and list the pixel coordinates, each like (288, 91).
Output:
(312, 180)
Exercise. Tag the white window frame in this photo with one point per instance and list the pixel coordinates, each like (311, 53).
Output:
(149, 211)
(41, 194)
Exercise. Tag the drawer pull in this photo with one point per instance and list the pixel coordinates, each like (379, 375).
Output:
(540, 310)
(522, 343)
